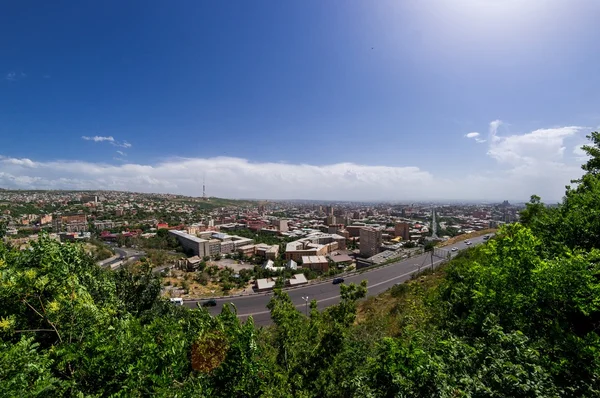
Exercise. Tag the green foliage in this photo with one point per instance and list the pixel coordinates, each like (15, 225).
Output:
(24, 372)
(263, 237)
(592, 166)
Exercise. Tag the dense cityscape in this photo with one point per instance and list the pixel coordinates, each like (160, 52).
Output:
(308, 240)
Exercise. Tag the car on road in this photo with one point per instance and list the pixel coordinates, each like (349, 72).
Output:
(209, 303)
(177, 301)
(455, 249)
(337, 280)
(486, 237)
(468, 243)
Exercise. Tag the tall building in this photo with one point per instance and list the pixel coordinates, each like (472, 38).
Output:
(283, 225)
(402, 229)
(331, 220)
(370, 241)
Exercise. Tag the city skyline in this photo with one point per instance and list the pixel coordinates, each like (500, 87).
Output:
(392, 101)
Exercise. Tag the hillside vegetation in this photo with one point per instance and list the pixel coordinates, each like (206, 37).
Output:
(516, 317)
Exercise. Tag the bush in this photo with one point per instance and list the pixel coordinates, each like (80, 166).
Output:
(185, 285)
(399, 290)
(201, 278)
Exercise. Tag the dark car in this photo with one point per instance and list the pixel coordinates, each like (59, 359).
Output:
(209, 303)
(337, 280)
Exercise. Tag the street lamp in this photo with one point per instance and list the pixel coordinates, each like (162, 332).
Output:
(305, 304)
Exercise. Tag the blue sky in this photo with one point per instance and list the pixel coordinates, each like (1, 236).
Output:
(312, 99)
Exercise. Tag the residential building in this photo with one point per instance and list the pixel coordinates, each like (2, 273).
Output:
(104, 224)
(354, 230)
(402, 230)
(370, 241)
(282, 225)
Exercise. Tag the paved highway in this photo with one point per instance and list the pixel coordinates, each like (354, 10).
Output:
(124, 254)
(326, 294)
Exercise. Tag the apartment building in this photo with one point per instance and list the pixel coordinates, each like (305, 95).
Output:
(46, 219)
(370, 241)
(354, 230)
(280, 225)
(402, 230)
(104, 224)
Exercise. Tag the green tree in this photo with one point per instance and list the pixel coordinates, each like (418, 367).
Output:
(592, 166)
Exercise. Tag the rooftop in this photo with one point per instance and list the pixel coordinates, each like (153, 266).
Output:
(187, 236)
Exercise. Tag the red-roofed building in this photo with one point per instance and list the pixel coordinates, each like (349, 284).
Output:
(256, 225)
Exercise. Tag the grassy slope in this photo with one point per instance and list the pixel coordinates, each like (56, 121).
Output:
(401, 305)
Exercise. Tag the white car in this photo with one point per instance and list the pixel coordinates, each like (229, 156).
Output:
(468, 242)
(454, 249)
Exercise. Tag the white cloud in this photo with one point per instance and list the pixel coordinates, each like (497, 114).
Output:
(494, 130)
(476, 136)
(109, 139)
(525, 164)
(240, 178)
(539, 146)
(97, 138)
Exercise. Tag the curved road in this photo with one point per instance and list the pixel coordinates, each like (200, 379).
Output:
(326, 294)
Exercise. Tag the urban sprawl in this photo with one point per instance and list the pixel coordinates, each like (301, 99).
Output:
(209, 246)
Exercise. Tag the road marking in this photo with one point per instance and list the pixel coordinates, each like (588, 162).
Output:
(334, 297)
